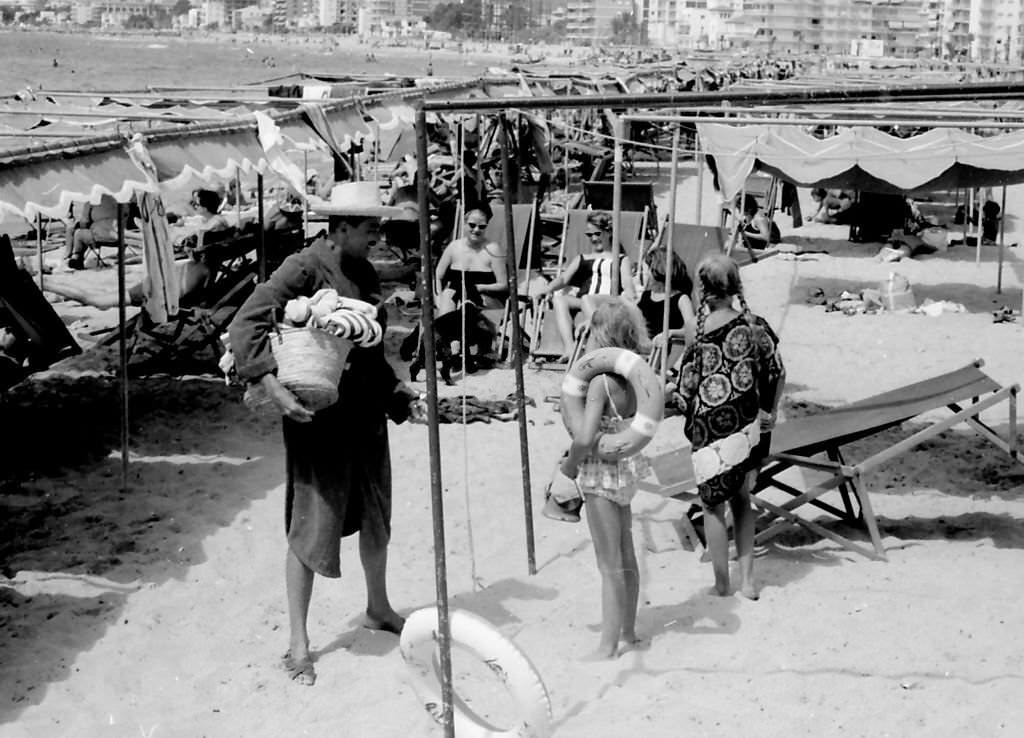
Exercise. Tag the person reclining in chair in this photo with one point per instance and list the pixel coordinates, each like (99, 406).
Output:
(97, 224)
(589, 279)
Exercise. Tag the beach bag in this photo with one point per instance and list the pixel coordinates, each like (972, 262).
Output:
(310, 363)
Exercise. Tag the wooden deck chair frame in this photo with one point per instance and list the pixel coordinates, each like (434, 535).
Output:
(801, 442)
(633, 225)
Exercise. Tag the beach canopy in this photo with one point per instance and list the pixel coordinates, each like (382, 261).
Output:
(864, 158)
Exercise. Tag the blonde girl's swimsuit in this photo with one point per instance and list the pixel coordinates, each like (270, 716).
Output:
(613, 480)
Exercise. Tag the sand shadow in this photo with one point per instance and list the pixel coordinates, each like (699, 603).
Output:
(1005, 531)
(63, 510)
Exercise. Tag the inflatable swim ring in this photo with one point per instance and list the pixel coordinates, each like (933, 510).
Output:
(419, 645)
(650, 399)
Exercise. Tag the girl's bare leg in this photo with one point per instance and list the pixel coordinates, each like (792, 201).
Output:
(631, 575)
(718, 546)
(604, 521)
(743, 522)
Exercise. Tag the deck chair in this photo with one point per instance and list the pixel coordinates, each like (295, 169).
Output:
(546, 340)
(801, 442)
(764, 189)
(635, 197)
(29, 315)
(203, 318)
(523, 227)
(690, 244)
(527, 260)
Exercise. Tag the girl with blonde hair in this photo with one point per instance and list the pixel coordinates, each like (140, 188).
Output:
(607, 487)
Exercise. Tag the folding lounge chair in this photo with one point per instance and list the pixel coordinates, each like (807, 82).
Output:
(690, 244)
(636, 196)
(965, 392)
(801, 443)
(546, 339)
(527, 261)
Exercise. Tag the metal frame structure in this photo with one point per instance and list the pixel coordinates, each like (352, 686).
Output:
(501, 107)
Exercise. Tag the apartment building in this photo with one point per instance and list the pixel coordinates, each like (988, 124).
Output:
(590, 21)
(975, 29)
(688, 24)
(1008, 31)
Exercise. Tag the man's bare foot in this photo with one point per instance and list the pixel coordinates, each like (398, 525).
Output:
(390, 622)
(299, 668)
(603, 653)
(720, 590)
(750, 592)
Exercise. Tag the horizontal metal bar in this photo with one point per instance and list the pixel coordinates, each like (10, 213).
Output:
(883, 93)
(753, 120)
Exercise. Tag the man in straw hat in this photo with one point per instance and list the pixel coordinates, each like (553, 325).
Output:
(338, 472)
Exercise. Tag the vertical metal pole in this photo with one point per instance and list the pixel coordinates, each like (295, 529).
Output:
(512, 267)
(669, 252)
(238, 197)
(617, 132)
(699, 161)
(1002, 242)
(122, 320)
(261, 235)
(433, 436)
(305, 194)
(39, 250)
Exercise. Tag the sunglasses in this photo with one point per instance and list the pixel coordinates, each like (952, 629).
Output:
(476, 226)
(593, 234)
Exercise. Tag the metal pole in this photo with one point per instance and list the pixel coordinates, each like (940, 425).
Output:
(699, 161)
(669, 253)
(512, 267)
(261, 236)
(122, 320)
(1002, 243)
(238, 198)
(444, 633)
(39, 250)
(617, 132)
(923, 93)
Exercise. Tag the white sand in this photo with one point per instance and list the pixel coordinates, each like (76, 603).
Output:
(181, 636)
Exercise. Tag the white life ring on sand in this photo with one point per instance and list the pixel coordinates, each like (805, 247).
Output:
(419, 647)
(650, 399)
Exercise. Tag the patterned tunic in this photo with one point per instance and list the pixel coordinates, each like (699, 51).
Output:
(739, 368)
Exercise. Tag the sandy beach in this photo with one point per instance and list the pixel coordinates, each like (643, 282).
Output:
(159, 610)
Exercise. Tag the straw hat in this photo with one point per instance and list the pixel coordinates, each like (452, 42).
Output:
(359, 199)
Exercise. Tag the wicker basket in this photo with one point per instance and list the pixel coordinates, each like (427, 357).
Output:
(309, 364)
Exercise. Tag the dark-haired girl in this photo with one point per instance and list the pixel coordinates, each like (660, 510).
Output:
(731, 383)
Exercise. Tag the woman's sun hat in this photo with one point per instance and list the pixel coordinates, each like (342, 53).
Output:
(359, 199)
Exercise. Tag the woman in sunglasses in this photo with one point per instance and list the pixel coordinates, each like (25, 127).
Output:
(471, 272)
(589, 277)
(473, 261)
